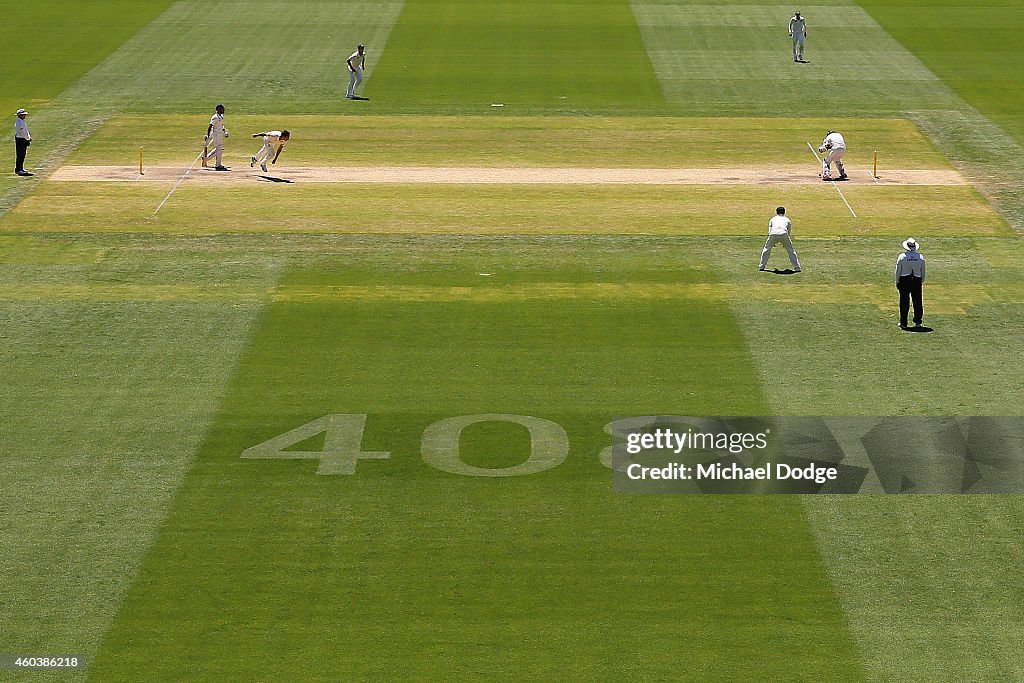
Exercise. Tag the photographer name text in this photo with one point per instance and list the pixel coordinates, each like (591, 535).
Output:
(733, 472)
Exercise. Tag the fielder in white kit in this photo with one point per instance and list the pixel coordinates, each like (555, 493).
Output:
(778, 231)
(834, 147)
(215, 134)
(356, 63)
(270, 138)
(798, 30)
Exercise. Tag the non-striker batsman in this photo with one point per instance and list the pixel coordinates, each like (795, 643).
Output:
(215, 134)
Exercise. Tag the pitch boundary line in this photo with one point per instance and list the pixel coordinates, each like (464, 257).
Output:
(178, 184)
(841, 195)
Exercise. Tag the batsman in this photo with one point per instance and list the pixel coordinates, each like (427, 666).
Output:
(834, 148)
(215, 134)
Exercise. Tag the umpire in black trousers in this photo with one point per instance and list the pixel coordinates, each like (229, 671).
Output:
(909, 281)
(22, 139)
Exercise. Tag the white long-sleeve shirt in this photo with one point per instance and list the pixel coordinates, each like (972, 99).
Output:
(910, 263)
(833, 141)
(21, 129)
(797, 27)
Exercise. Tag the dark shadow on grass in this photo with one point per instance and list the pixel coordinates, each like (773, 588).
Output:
(784, 271)
(917, 328)
(273, 179)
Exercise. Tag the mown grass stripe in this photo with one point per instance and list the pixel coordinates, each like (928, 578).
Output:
(532, 567)
(953, 559)
(104, 405)
(620, 141)
(667, 210)
(272, 57)
(942, 298)
(560, 56)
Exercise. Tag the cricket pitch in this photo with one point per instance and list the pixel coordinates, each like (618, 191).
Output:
(508, 176)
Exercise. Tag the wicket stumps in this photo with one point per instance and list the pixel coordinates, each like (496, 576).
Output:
(874, 165)
(140, 161)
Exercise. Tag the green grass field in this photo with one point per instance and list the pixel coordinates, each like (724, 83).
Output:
(144, 352)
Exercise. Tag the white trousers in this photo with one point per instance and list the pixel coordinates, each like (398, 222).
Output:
(835, 155)
(216, 147)
(786, 242)
(266, 152)
(798, 46)
(354, 79)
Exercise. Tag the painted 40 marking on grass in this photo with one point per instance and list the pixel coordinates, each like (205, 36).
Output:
(343, 437)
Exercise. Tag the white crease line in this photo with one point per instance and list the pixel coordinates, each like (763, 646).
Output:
(177, 184)
(841, 195)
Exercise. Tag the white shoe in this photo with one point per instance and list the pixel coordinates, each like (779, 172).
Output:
(263, 167)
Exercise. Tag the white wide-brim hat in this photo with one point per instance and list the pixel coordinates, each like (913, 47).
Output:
(20, 112)
(911, 244)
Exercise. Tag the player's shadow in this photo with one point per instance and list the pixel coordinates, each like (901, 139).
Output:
(917, 328)
(782, 271)
(274, 179)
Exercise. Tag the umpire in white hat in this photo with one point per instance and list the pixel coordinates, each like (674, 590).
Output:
(22, 139)
(909, 281)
